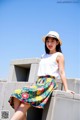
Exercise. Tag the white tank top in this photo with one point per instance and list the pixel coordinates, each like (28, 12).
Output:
(48, 65)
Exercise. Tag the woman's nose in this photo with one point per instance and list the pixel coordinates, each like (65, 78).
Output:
(49, 43)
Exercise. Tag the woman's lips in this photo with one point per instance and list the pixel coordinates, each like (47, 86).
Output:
(50, 47)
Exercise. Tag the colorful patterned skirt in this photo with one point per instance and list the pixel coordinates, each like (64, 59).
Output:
(37, 94)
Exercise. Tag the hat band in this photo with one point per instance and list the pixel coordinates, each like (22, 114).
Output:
(52, 35)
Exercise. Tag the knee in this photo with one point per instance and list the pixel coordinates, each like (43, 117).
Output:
(25, 106)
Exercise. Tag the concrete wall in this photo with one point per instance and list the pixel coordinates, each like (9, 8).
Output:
(74, 84)
(24, 70)
(61, 105)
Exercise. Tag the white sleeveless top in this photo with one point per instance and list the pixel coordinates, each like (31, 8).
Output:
(48, 65)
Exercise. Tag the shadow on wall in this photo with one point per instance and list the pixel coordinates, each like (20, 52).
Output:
(22, 73)
(34, 114)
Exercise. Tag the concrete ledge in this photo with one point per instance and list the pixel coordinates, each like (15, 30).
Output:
(64, 94)
(62, 106)
(74, 84)
(25, 61)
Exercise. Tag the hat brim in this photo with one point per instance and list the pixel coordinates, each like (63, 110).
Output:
(44, 38)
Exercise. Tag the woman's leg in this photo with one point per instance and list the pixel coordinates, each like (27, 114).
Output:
(25, 117)
(16, 103)
(20, 114)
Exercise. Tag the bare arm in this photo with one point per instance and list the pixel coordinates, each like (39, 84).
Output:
(60, 60)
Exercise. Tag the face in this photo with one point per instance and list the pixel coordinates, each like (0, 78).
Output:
(51, 44)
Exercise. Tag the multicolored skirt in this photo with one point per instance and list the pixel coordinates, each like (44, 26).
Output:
(37, 94)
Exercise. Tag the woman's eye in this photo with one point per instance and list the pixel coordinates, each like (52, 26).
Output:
(52, 41)
(47, 41)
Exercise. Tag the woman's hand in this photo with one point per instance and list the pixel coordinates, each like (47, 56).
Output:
(70, 91)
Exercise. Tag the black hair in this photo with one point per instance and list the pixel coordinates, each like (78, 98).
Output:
(58, 47)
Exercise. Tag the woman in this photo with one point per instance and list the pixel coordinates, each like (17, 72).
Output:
(51, 67)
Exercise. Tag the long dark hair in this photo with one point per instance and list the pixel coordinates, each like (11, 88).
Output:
(58, 47)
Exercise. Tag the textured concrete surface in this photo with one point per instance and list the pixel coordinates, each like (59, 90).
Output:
(61, 105)
(23, 70)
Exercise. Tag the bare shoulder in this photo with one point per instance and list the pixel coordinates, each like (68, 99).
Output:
(60, 56)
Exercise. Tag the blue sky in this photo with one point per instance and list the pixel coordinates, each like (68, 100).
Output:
(23, 23)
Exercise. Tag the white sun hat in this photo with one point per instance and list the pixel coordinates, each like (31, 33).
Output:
(52, 34)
